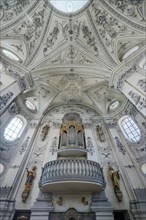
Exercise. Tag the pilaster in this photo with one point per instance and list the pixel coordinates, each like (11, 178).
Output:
(42, 207)
(102, 207)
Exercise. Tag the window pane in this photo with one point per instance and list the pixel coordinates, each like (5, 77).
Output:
(13, 129)
(131, 131)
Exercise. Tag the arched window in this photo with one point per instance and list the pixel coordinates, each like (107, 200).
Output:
(14, 128)
(130, 129)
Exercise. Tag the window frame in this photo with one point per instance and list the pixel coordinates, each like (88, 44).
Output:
(120, 122)
(21, 130)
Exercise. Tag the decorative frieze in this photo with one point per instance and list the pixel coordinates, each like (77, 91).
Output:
(54, 146)
(24, 145)
(13, 109)
(137, 99)
(121, 80)
(71, 30)
(89, 38)
(142, 84)
(4, 99)
(90, 146)
(51, 39)
(20, 78)
(120, 146)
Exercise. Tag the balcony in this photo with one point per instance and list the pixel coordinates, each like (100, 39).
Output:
(72, 151)
(72, 175)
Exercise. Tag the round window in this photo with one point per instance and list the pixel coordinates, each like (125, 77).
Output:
(69, 6)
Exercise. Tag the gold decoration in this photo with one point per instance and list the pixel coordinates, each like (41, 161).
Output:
(115, 180)
(30, 176)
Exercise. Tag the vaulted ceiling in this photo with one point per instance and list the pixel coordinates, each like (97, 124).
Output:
(73, 58)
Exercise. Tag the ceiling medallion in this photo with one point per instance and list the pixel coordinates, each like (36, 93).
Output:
(69, 6)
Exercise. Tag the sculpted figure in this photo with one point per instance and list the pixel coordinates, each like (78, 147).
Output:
(115, 181)
(100, 133)
(44, 132)
(30, 176)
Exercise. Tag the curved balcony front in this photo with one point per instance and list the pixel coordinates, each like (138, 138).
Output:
(72, 175)
(72, 151)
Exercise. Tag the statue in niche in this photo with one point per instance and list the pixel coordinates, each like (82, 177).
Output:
(115, 177)
(30, 176)
(100, 134)
(44, 132)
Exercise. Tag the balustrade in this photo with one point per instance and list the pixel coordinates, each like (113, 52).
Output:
(67, 171)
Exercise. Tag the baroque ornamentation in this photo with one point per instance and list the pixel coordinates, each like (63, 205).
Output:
(24, 145)
(89, 38)
(108, 26)
(124, 76)
(10, 9)
(13, 109)
(54, 147)
(72, 55)
(120, 146)
(30, 176)
(71, 30)
(51, 39)
(123, 18)
(130, 8)
(115, 177)
(142, 84)
(21, 79)
(99, 92)
(138, 100)
(30, 29)
(100, 134)
(90, 146)
(71, 88)
(4, 99)
(44, 132)
(4, 191)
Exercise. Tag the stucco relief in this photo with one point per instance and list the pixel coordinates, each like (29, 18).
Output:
(137, 99)
(72, 55)
(20, 78)
(10, 9)
(90, 39)
(108, 26)
(142, 84)
(31, 29)
(130, 8)
(71, 30)
(71, 88)
(99, 92)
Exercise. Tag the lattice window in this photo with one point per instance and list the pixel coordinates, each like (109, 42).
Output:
(13, 129)
(131, 130)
